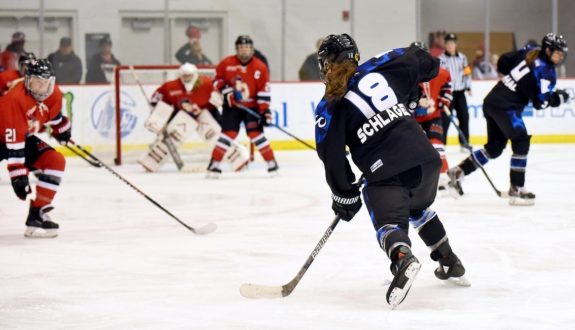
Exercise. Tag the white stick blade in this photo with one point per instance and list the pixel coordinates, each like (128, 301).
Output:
(206, 229)
(255, 291)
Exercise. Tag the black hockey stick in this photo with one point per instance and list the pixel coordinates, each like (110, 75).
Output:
(466, 145)
(83, 156)
(206, 229)
(250, 290)
(259, 117)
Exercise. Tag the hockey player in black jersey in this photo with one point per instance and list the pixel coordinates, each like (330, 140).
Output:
(528, 75)
(364, 108)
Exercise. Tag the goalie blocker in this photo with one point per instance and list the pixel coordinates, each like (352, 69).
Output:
(178, 129)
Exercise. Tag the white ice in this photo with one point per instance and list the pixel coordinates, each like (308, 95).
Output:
(122, 263)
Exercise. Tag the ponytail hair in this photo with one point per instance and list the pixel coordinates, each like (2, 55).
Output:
(531, 56)
(339, 76)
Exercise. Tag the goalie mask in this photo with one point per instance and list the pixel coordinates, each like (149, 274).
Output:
(188, 76)
(39, 79)
(336, 49)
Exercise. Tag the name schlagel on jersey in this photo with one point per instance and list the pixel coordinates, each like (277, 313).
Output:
(381, 120)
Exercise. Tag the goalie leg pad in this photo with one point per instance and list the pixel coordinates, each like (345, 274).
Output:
(238, 156)
(208, 128)
(180, 127)
(159, 117)
(155, 157)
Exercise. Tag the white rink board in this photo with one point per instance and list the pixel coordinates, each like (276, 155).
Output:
(293, 104)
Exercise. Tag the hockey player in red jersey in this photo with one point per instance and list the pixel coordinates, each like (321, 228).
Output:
(243, 80)
(436, 94)
(9, 78)
(24, 111)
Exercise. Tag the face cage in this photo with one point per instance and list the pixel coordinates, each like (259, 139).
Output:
(188, 86)
(40, 96)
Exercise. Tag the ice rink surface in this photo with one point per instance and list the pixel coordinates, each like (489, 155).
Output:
(122, 263)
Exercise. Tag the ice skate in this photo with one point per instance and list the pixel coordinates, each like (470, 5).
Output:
(520, 196)
(450, 268)
(273, 168)
(404, 269)
(39, 224)
(455, 175)
(213, 171)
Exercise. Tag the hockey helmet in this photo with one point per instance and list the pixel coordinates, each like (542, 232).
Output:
(39, 79)
(553, 42)
(188, 75)
(336, 49)
(244, 39)
(23, 61)
(420, 44)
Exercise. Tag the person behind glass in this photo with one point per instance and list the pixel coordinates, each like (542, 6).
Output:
(67, 65)
(457, 65)
(191, 52)
(309, 70)
(9, 57)
(101, 65)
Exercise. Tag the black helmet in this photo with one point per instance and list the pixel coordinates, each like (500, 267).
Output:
(336, 49)
(449, 37)
(244, 39)
(554, 42)
(420, 44)
(23, 61)
(41, 68)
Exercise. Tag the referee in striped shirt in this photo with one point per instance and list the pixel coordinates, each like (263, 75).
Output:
(456, 63)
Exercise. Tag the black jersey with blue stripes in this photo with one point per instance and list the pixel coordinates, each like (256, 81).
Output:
(372, 119)
(522, 83)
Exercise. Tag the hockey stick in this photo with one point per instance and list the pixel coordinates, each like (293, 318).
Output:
(206, 229)
(167, 139)
(466, 145)
(259, 117)
(250, 290)
(84, 157)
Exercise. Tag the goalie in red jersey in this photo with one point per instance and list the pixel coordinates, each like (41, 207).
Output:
(181, 106)
(242, 80)
(25, 110)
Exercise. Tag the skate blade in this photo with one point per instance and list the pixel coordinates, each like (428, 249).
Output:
(521, 201)
(397, 295)
(35, 232)
(459, 281)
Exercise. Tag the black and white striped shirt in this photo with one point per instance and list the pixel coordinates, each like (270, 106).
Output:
(456, 65)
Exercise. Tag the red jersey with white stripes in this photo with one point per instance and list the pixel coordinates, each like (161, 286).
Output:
(439, 87)
(20, 116)
(174, 93)
(253, 76)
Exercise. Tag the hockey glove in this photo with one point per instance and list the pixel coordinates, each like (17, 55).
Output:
(443, 102)
(558, 97)
(21, 186)
(346, 208)
(266, 118)
(63, 131)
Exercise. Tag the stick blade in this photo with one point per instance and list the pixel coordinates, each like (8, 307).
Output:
(206, 229)
(254, 291)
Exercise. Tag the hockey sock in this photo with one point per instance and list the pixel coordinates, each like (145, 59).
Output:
(429, 228)
(263, 145)
(517, 171)
(391, 237)
(438, 145)
(223, 144)
(52, 164)
(469, 164)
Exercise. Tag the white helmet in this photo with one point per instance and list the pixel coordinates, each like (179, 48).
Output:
(188, 75)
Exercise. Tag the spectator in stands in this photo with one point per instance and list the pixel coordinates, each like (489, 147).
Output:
(309, 70)
(191, 52)
(458, 67)
(67, 65)
(436, 40)
(101, 66)
(9, 57)
(483, 69)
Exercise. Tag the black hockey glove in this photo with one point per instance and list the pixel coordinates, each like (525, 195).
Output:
(346, 208)
(63, 131)
(266, 118)
(558, 97)
(21, 186)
